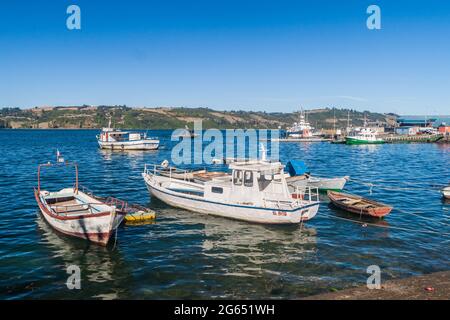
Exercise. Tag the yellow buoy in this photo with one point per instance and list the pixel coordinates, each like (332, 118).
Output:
(140, 216)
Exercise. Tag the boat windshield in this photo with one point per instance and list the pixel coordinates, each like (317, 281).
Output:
(266, 178)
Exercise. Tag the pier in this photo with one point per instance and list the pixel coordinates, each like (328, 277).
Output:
(413, 138)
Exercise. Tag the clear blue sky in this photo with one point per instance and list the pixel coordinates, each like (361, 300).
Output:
(228, 54)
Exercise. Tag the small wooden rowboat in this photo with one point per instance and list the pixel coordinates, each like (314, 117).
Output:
(77, 213)
(359, 205)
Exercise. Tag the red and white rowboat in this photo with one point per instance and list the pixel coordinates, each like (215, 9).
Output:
(77, 213)
(359, 205)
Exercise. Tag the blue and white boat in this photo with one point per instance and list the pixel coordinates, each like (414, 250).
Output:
(253, 191)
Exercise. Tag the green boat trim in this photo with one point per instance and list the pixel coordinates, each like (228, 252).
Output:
(350, 140)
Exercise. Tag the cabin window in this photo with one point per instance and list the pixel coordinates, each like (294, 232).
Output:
(216, 190)
(237, 177)
(248, 179)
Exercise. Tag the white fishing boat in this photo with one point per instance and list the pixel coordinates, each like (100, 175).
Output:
(446, 192)
(185, 133)
(116, 139)
(78, 213)
(301, 129)
(323, 184)
(254, 191)
(300, 177)
(363, 136)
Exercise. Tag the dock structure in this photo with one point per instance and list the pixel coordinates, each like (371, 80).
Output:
(445, 139)
(413, 138)
(434, 286)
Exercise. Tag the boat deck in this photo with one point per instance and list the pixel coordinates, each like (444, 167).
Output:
(71, 207)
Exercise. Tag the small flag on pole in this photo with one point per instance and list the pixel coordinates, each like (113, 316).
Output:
(58, 156)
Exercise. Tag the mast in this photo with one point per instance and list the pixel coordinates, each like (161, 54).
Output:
(334, 121)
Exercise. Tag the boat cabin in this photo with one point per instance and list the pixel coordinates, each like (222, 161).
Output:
(112, 135)
(249, 183)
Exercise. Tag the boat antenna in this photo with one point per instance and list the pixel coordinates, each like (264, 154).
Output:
(334, 121)
(263, 152)
(348, 119)
(59, 158)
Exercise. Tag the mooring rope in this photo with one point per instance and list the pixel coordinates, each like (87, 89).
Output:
(423, 217)
(371, 185)
(387, 227)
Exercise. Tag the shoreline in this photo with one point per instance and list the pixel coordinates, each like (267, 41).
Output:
(433, 286)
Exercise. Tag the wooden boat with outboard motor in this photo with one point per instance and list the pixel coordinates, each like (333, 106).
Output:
(77, 213)
(359, 205)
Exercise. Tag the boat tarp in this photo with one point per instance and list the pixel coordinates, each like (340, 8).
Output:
(296, 168)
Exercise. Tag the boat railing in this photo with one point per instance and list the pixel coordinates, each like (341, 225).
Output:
(307, 193)
(85, 190)
(167, 171)
(120, 205)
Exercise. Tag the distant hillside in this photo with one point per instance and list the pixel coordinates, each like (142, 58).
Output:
(171, 118)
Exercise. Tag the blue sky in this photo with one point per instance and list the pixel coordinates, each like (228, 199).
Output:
(227, 54)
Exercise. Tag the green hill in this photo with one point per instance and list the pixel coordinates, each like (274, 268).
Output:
(171, 118)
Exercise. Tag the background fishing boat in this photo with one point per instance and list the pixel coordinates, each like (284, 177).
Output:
(185, 133)
(363, 136)
(116, 139)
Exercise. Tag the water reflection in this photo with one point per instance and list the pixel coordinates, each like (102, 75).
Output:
(99, 265)
(259, 244)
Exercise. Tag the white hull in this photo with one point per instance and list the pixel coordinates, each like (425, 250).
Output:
(320, 183)
(97, 228)
(130, 145)
(312, 139)
(198, 204)
(446, 192)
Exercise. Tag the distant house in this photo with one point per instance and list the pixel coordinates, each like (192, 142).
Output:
(415, 121)
(407, 130)
(377, 129)
(444, 128)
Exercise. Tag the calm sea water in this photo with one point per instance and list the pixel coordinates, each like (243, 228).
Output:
(188, 255)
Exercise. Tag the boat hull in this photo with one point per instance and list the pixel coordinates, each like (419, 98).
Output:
(97, 228)
(377, 211)
(446, 192)
(130, 145)
(323, 184)
(350, 140)
(227, 210)
(312, 139)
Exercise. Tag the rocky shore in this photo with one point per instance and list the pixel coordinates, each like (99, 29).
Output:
(434, 286)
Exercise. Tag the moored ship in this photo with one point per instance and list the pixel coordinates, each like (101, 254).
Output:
(116, 139)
